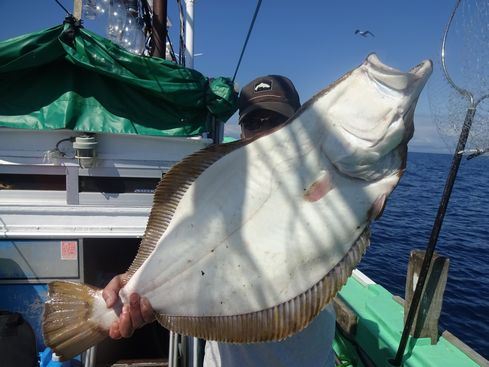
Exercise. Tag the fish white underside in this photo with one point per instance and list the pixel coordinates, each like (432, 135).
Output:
(243, 238)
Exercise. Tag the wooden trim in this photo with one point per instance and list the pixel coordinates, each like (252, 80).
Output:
(77, 9)
(428, 314)
(468, 351)
(346, 319)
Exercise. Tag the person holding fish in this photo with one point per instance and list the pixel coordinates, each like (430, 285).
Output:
(249, 241)
(264, 104)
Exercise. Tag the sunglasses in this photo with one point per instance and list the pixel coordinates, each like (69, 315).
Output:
(258, 120)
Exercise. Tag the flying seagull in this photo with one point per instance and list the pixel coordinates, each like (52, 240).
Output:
(364, 33)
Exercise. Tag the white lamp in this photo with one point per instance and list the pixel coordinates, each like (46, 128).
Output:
(85, 147)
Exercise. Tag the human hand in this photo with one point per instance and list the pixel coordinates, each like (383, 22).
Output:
(134, 315)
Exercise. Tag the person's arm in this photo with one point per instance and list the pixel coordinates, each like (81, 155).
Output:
(134, 315)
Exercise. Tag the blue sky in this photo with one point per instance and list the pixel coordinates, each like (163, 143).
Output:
(311, 42)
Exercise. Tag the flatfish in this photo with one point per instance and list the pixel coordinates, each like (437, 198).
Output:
(248, 241)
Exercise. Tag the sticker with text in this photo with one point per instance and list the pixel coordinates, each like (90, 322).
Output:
(69, 250)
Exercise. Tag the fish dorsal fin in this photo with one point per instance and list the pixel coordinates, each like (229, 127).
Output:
(277, 322)
(168, 193)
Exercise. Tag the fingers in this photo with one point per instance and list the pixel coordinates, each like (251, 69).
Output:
(146, 310)
(111, 291)
(134, 315)
(122, 328)
(135, 311)
(140, 311)
(125, 324)
(114, 332)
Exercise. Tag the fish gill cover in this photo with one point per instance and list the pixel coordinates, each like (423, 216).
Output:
(67, 77)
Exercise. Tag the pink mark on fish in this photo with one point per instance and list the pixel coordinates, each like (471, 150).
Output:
(320, 187)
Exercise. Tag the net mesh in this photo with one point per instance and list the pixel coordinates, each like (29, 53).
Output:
(466, 58)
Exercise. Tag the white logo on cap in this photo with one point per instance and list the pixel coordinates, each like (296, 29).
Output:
(262, 86)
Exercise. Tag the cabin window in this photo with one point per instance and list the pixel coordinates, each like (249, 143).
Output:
(39, 259)
(9, 181)
(118, 185)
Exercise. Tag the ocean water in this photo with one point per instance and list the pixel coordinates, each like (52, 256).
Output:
(464, 238)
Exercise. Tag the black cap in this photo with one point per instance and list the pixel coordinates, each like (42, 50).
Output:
(271, 92)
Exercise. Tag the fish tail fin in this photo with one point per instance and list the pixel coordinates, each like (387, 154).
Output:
(75, 318)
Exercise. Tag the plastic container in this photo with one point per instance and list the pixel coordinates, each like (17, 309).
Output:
(55, 362)
(49, 359)
(45, 357)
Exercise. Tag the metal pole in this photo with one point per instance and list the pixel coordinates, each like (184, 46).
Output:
(159, 27)
(170, 350)
(189, 33)
(457, 157)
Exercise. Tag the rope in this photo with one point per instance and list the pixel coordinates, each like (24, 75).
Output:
(148, 27)
(247, 38)
(172, 51)
(67, 12)
(182, 47)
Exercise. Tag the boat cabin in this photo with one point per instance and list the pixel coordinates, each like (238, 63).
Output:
(87, 130)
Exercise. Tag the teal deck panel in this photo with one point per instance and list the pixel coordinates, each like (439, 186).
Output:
(379, 330)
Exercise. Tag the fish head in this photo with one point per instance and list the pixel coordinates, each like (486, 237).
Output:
(370, 118)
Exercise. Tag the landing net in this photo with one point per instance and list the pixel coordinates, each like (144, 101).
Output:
(460, 80)
(461, 114)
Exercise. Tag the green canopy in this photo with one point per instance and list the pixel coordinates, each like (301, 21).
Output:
(67, 77)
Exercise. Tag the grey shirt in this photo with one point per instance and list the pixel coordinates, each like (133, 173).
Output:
(310, 348)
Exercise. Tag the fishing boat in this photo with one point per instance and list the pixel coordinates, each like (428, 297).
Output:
(87, 131)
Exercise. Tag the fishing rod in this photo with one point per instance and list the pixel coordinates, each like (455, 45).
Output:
(457, 157)
(258, 4)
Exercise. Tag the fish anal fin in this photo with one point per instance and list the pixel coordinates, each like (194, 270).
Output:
(275, 323)
(319, 188)
(168, 193)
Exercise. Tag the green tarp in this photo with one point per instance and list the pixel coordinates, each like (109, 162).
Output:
(67, 77)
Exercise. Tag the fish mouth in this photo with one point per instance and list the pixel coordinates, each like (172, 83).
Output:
(377, 133)
(411, 82)
(424, 69)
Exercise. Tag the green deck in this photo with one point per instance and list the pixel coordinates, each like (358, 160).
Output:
(379, 329)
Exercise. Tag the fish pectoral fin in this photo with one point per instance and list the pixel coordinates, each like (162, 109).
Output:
(319, 187)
